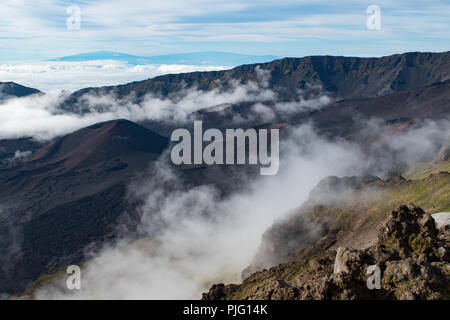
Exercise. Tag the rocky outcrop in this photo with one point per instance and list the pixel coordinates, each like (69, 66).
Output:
(219, 291)
(410, 232)
(411, 260)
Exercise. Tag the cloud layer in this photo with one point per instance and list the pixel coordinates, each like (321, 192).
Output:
(56, 76)
(39, 116)
(192, 237)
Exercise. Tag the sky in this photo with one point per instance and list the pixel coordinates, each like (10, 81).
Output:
(34, 31)
(37, 29)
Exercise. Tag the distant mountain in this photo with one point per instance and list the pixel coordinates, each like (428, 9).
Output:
(403, 86)
(12, 89)
(194, 58)
(341, 77)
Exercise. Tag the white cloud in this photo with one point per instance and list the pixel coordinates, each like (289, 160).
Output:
(194, 238)
(39, 116)
(38, 28)
(53, 76)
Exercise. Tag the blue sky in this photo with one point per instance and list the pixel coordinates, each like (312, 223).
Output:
(37, 30)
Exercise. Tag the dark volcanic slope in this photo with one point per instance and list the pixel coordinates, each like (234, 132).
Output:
(70, 195)
(82, 163)
(11, 89)
(9, 146)
(346, 118)
(101, 142)
(344, 77)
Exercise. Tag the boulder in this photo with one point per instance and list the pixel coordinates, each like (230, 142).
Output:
(442, 219)
(410, 231)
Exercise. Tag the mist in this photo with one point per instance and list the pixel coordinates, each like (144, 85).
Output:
(54, 76)
(191, 238)
(41, 117)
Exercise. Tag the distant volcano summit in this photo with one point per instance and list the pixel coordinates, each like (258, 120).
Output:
(211, 58)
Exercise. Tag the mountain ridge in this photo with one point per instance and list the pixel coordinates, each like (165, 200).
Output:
(12, 89)
(342, 77)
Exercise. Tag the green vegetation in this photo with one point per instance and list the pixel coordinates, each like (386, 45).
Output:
(419, 244)
(431, 193)
(422, 170)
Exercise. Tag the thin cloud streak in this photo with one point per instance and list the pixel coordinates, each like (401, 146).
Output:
(156, 27)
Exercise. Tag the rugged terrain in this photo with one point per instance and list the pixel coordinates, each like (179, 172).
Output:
(412, 255)
(323, 249)
(62, 196)
(345, 78)
(70, 194)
